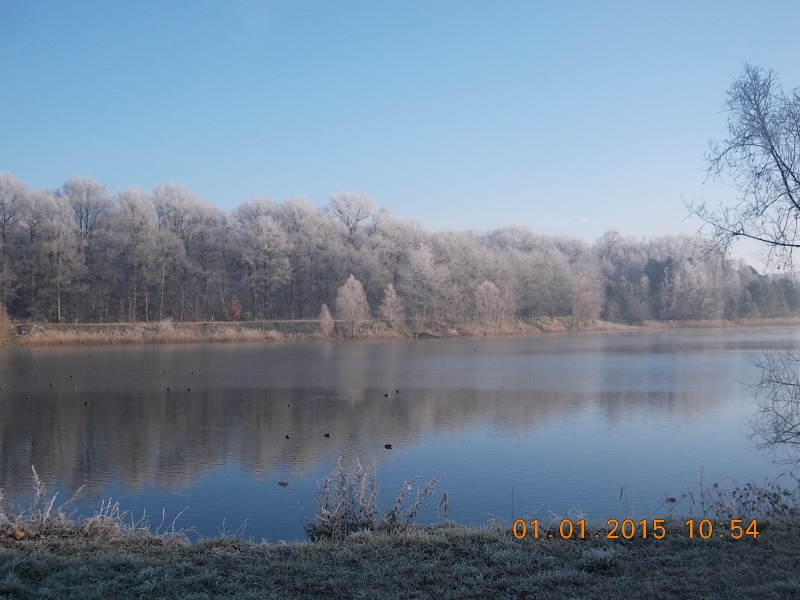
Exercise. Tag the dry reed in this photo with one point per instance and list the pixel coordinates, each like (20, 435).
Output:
(43, 519)
(163, 332)
(168, 331)
(777, 498)
(347, 503)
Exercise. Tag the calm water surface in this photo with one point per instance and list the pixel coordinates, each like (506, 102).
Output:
(515, 426)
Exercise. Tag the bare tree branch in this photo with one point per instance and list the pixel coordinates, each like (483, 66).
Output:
(760, 154)
(776, 425)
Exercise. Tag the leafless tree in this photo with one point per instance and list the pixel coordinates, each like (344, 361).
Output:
(488, 303)
(12, 197)
(133, 226)
(761, 155)
(263, 248)
(50, 257)
(358, 214)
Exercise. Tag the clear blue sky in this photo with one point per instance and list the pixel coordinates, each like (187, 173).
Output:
(569, 117)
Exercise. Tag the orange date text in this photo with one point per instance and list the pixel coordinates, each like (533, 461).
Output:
(628, 529)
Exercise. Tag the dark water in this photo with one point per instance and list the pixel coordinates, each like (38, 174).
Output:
(544, 423)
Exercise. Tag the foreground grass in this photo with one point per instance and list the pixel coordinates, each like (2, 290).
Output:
(359, 554)
(445, 561)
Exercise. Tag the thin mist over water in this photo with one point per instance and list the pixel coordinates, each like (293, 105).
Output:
(555, 422)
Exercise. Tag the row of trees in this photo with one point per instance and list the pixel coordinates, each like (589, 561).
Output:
(77, 254)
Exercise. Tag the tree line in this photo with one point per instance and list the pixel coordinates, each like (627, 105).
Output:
(78, 254)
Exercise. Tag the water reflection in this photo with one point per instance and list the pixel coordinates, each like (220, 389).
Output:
(169, 438)
(209, 424)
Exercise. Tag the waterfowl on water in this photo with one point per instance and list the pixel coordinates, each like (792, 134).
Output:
(283, 483)
(387, 446)
(287, 436)
(327, 435)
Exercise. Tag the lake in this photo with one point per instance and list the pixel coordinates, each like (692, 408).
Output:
(609, 423)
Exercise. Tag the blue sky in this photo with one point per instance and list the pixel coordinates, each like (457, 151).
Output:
(569, 117)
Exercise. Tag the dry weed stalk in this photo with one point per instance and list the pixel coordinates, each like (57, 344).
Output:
(398, 518)
(773, 499)
(347, 502)
(44, 518)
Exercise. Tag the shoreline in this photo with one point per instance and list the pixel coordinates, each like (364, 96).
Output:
(169, 332)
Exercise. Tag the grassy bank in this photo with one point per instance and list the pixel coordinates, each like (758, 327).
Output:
(165, 332)
(45, 554)
(445, 561)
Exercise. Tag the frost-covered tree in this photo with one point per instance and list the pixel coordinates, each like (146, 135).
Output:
(357, 215)
(586, 293)
(425, 284)
(169, 254)
(51, 258)
(307, 233)
(352, 307)
(132, 228)
(391, 309)
(488, 303)
(90, 208)
(12, 199)
(197, 228)
(263, 246)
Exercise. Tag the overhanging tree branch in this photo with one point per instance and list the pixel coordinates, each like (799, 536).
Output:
(759, 154)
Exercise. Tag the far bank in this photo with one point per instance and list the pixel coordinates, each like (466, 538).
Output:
(168, 332)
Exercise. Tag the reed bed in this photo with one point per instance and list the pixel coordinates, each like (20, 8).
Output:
(720, 323)
(159, 333)
(168, 332)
